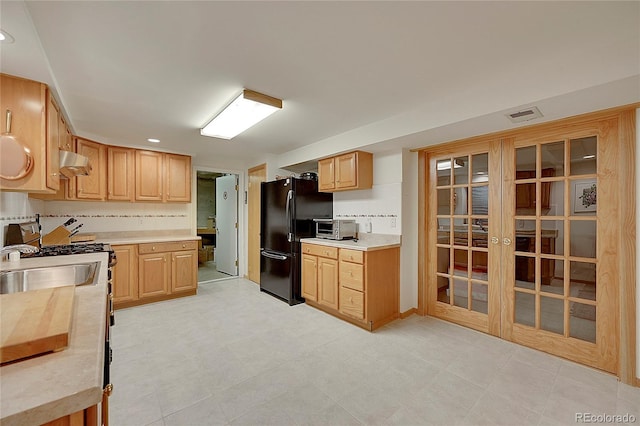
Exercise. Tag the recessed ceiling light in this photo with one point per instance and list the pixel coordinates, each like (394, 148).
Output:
(589, 157)
(5, 37)
(153, 140)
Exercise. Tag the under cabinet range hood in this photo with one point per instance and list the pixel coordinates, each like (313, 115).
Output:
(72, 164)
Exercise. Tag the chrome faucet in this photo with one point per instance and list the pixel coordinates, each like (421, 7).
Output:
(22, 248)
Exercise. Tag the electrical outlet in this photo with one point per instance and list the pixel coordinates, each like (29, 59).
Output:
(393, 222)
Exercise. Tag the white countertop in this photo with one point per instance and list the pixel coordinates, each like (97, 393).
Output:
(365, 242)
(142, 237)
(53, 385)
(146, 239)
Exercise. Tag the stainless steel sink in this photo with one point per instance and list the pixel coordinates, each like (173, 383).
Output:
(53, 276)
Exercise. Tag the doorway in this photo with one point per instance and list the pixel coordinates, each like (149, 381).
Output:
(519, 245)
(217, 220)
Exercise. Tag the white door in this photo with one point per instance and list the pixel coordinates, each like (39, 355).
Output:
(227, 224)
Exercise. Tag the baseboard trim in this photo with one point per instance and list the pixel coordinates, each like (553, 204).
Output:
(408, 313)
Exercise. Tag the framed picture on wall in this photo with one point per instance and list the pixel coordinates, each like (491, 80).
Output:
(585, 196)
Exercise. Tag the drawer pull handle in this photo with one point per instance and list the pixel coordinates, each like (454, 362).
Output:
(350, 299)
(153, 248)
(184, 245)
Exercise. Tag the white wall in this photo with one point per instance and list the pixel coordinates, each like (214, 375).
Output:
(382, 204)
(409, 248)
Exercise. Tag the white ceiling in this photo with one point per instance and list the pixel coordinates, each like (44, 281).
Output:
(351, 74)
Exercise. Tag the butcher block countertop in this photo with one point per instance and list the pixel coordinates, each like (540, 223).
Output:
(43, 388)
(365, 242)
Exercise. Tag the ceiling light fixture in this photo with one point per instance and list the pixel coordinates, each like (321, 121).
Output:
(243, 112)
(153, 140)
(446, 165)
(5, 37)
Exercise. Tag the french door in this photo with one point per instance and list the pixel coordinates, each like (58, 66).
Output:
(521, 239)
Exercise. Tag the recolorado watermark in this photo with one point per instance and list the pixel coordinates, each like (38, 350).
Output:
(605, 418)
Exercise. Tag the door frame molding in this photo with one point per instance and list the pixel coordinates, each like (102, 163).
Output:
(626, 247)
(258, 172)
(242, 219)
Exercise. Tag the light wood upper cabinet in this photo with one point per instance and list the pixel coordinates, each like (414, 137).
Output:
(94, 186)
(65, 137)
(353, 170)
(162, 177)
(53, 137)
(149, 182)
(177, 173)
(30, 106)
(326, 175)
(120, 173)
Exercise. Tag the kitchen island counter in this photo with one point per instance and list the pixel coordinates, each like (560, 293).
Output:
(46, 387)
(365, 242)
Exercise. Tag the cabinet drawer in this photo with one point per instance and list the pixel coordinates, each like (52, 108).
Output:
(318, 250)
(356, 256)
(352, 303)
(167, 246)
(351, 275)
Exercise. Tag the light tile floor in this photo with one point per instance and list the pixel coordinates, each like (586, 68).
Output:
(208, 271)
(234, 356)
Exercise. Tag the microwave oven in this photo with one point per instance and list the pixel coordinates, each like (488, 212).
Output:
(335, 229)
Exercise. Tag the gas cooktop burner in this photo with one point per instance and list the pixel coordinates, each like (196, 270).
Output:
(70, 249)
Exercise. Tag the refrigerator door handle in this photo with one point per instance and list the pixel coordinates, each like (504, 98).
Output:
(273, 256)
(288, 211)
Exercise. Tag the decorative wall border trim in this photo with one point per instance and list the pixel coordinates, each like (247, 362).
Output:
(31, 217)
(366, 215)
(113, 215)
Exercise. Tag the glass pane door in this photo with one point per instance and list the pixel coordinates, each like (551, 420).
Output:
(553, 293)
(462, 183)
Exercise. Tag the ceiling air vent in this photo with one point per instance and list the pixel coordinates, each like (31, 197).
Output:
(524, 115)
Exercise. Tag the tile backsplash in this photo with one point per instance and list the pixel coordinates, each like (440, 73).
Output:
(379, 206)
(99, 217)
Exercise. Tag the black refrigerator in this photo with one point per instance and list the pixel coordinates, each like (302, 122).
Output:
(288, 207)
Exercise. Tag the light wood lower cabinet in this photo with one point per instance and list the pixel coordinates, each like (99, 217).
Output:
(152, 272)
(362, 287)
(125, 274)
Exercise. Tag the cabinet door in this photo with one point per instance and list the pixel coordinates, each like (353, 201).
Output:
(177, 178)
(53, 137)
(125, 277)
(94, 186)
(120, 165)
(328, 282)
(27, 102)
(310, 277)
(65, 139)
(184, 271)
(346, 171)
(153, 274)
(326, 174)
(148, 176)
